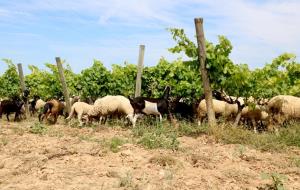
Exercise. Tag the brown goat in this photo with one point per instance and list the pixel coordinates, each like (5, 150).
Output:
(52, 107)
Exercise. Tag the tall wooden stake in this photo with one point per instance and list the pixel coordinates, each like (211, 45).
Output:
(63, 83)
(205, 79)
(22, 83)
(138, 84)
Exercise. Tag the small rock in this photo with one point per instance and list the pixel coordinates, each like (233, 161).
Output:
(126, 153)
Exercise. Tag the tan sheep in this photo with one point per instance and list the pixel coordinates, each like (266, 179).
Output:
(282, 108)
(39, 104)
(79, 108)
(220, 107)
(110, 105)
(254, 115)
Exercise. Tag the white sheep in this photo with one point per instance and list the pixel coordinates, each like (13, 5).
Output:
(80, 108)
(39, 104)
(220, 107)
(283, 107)
(110, 105)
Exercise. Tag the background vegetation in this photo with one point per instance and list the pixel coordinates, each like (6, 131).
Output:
(280, 76)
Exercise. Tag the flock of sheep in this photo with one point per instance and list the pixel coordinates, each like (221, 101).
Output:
(104, 107)
(272, 112)
(269, 113)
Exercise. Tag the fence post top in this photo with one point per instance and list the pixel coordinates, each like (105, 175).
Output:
(197, 20)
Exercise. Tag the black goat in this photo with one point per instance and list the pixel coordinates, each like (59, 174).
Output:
(184, 110)
(32, 104)
(10, 106)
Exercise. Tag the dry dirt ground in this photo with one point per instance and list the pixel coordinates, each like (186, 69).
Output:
(74, 158)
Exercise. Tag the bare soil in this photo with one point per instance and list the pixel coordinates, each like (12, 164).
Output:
(74, 158)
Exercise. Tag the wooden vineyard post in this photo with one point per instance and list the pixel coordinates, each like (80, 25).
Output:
(204, 74)
(138, 84)
(22, 83)
(64, 84)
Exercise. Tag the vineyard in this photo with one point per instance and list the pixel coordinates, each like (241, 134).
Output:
(152, 155)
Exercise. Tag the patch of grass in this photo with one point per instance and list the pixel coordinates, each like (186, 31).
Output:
(232, 135)
(85, 138)
(4, 141)
(74, 123)
(158, 136)
(239, 151)
(163, 160)
(115, 143)
(55, 133)
(38, 128)
(127, 182)
(277, 181)
(114, 122)
(191, 129)
(295, 161)
(18, 130)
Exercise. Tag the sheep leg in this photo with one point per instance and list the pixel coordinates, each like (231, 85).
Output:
(16, 116)
(79, 116)
(200, 120)
(46, 116)
(87, 120)
(160, 118)
(7, 116)
(254, 125)
(100, 120)
(104, 121)
(40, 117)
(55, 117)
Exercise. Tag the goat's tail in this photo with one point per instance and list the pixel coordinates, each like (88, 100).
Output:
(166, 92)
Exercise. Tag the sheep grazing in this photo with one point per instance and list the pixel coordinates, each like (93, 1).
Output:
(112, 105)
(10, 106)
(52, 107)
(152, 106)
(255, 115)
(283, 107)
(79, 108)
(220, 108)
